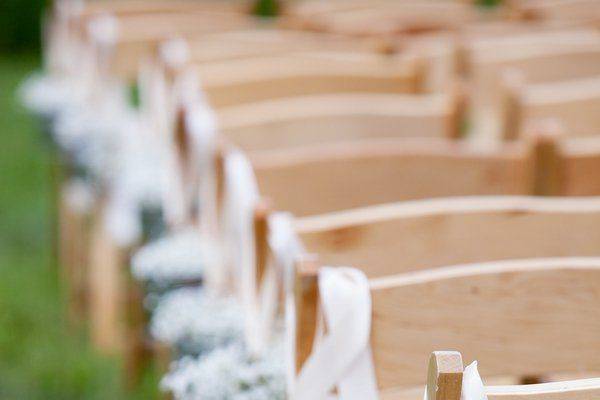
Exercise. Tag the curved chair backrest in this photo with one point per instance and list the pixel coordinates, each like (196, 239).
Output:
(393, 17)
(310, 120)
(296, 74)
(268, 41)
(546, 57)
(139, 35)
(355, 174)
(506, 314)
(573, 102)
(130, 7)
(411, 236)
(580, 11)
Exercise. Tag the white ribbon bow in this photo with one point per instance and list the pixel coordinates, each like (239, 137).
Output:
(341, 358)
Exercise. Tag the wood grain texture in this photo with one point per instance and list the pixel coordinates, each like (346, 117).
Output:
(363, 173)
(505, 314)
(329, 118)
(580, 161)
(391, 18)
(574, 102)
(297, 74)
(268, 41)
(566, 390)
(107, 291)
(411, 236)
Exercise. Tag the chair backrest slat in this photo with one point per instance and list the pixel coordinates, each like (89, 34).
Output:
(362, 173)
(506, 314)
(297, 74)
(322, 119)
(410, 236)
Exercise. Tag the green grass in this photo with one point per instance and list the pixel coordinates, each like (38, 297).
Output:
(40, 357)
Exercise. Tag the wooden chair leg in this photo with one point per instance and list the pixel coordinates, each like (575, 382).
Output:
(106, 289)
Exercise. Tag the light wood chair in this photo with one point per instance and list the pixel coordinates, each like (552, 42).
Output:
(267, 41)
(445, 375)
(495, 312)
(539, 58)
(382, 18)
(139, 35)
(297, 74)
(321, 119)
(129, 7)
(573, 103)
(580, 11)
(355, 174)
(347, 175)
(417, 235)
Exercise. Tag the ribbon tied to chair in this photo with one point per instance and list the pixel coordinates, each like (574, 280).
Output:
(341, 359)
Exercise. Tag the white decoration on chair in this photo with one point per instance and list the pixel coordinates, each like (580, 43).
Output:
(176, 257)
(472, 385)
(241, 198)
(196, 321)
(341, 358)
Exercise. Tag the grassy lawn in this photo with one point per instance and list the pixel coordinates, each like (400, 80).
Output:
(39, 357)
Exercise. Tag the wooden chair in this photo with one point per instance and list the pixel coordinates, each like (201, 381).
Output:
(498, 312)
(139, 35)
(540, 58)
(269, 41)
(580, 11)
(264, 78)
(383, 18)
(347, 175)
(354, 174)
(573, 103)
(412, 236)
(445, 375)
(321, 119)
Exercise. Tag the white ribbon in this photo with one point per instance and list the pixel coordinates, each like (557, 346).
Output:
(341, 358)
(286, 247)
(103, 31)
(472, 385)
(238, 242)
(182, 185)
(59, 50)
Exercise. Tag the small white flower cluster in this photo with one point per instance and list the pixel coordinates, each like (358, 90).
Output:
(176, 257)
(47, 95)
(228, 374)
(196, 322)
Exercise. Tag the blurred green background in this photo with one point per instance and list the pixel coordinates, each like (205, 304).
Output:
(41, 357)
(20, 25)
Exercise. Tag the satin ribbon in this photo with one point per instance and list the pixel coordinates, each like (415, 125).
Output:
(285, 247)
(341, 358)
(182, 182)
(238, 242)
(472, 385)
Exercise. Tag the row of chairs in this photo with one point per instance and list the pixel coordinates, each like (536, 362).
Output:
(406, 138)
